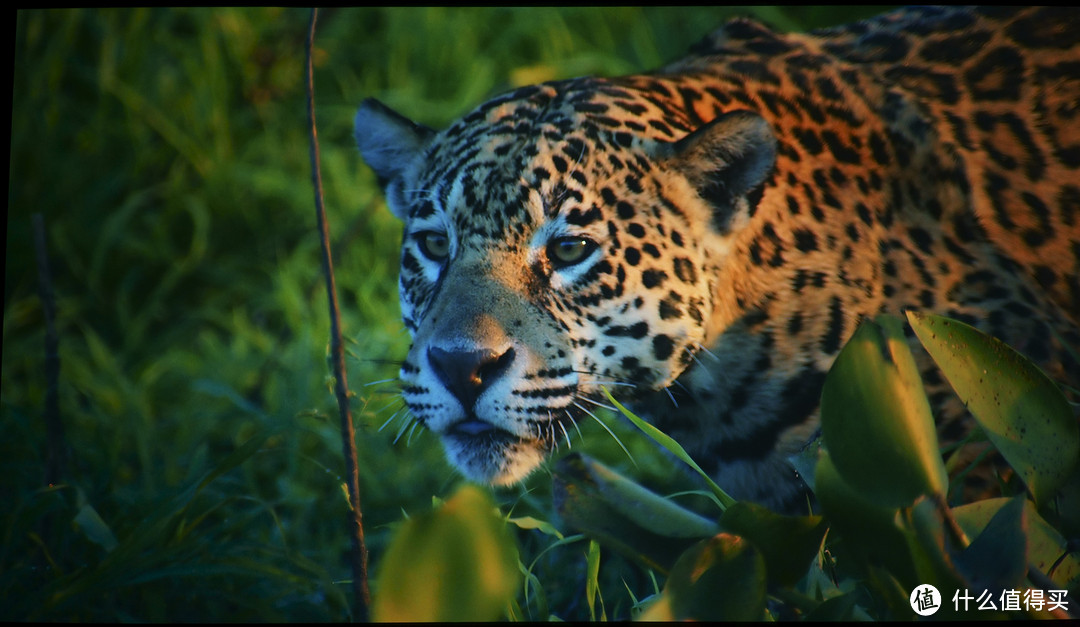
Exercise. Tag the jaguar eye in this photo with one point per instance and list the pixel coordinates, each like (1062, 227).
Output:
(434, 245)
(566, 251)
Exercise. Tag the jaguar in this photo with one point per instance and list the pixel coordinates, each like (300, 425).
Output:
(702, 239)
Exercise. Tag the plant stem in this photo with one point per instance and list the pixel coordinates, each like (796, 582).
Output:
(361, 595)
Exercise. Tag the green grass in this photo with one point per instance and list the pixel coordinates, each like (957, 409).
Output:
(168, 153)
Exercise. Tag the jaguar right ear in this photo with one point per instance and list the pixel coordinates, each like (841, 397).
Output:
(392, 145)
(727, 161)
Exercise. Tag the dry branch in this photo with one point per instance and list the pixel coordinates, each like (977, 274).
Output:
(359, 559)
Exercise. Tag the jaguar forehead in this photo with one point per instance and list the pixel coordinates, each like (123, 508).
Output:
(496, 198)
(540, 138)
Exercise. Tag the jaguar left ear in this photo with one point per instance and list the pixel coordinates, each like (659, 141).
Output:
(726, 160)
(391, 144)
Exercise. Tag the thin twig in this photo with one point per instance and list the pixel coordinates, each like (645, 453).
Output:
(56, 451)
(361, 595)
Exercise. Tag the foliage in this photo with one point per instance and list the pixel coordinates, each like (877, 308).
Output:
(1018, 407)
(879, 429)
(882, 488)
(456, 563)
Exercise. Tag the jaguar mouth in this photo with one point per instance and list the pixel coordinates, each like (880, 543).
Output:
(473, 432)
(472, 426)
(488, 454)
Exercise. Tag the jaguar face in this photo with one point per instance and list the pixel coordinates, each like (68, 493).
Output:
(544, 258)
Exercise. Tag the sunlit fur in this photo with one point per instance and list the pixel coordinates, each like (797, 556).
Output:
(741, 210)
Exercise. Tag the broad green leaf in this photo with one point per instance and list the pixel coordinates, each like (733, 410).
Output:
(1045, 544)
(456, 563)
(658, 611)
(893, 549)
(674, 448)
(806, 459)
(868, 531)
(623, 515)
(931, 546)
(1068, 506)
(997, 558)
(788, 543)
(876, 421)
(894, 594)
(1022, 411)
(719, 579)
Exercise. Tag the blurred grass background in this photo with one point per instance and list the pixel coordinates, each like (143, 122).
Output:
(168, 153)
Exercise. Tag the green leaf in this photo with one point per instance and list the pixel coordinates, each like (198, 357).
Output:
(592, 581)
(531, 522)
(1045, 544)
(876, 421)
(658, 611)
(719, 579)
(456, 563)
(805, 461)
(788, 543)
(91, 524)
(1068, 506)
(997, 558)
(926, 530)
(868, 531)
(674, 448)
(623, 515)
(1022, 411)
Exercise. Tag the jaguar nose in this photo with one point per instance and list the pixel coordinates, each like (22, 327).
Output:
(466, 374)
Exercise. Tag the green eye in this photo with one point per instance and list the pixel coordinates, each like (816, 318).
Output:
(435, 246)
(566, 251)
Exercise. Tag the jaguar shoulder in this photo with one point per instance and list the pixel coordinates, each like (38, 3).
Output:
(704, 238)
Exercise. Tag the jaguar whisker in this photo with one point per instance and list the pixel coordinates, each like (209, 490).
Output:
(408, 438)
(400, 412)
(674, 402)
(597, 403)
(404, 426)
(573, 421)
(380, 381)
(565, 434)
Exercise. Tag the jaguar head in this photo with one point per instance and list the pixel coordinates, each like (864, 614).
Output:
(554, 244)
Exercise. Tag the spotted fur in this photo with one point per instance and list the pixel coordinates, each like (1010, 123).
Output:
(704, 238)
